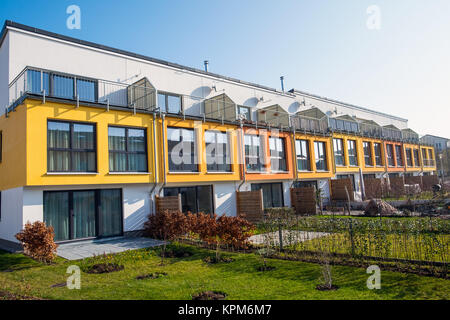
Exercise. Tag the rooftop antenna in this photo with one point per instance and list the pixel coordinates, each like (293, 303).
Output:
(206, 62)
(282, 83)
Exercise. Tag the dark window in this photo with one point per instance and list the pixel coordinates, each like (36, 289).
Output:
(378, 158)
(71, 147)
(302, 150)
(425, 157)
(86, 90)
(408, 157)
(181, 150)
(338, 152)
(82, 214)
(217, 151)
(430, 158)
(416, 158)
(62, 86)
(367, 153)
(305, 184)
(369, 176)
(127, 149)
(390, 155)
(272, 194)
(169, 103)
(193, 199)
(399, 156)
(352, 153)
(253, 153)
(245, 112)
(320, 156)
(277, 154)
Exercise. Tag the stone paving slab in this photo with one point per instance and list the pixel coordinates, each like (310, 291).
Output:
(86, 249)
(289, 237)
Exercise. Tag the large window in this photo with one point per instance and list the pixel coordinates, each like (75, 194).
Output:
(416, 158)
(277, 154)
(193, 199)
(408, 157)
(378, 157)
(253, 153)
(181, 150)
(390, 155)
(302, 150)
(425, 158)
(83, 214)
(217, 151)
(71, 147)
(272, 194)
(170, 103)
(320, 156)
(367, 153)
(127, 149)
(399, 156)
(338, 152)
(352, 153)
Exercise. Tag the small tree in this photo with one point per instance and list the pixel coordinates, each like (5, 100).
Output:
(38, 241)
(166, 225)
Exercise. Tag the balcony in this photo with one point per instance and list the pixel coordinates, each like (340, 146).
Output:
(140, 95)
(343, 124)
(391, 132)
(409, 135)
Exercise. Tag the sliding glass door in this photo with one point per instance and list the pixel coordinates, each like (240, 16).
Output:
(84, 214)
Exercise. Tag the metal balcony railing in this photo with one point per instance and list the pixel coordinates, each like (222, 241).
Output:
(343, 125)
(45, 83)
(303, 123)
(370, 130)
(391, 134)
(429, 163)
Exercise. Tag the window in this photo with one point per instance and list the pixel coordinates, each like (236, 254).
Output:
(321, 157)
(217, 151)
(127, 149)
(71, 147)
(378, 158)
(302, 150)
(399, 156)
(181, 150)
(272, 194)
(245, 112)
(390, 155)
(86, 90)
(277, 154)
(83, 214)
(416, 158)
(352, 153)
(408, 157)
(367, 153)
(305, 184)
(37, 82)
(193, 199)
(425, 157)
(338, 152)
(169, 103)
(253, 153)
(62, 86)
(430, 157)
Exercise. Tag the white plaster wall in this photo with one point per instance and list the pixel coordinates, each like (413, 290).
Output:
(225, 198)
(324, 185)
(287, 193)
(4, 74)
(11, 220)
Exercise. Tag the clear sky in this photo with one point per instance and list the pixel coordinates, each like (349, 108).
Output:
(320, 46)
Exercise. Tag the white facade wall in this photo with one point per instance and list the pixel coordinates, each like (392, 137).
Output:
(4, 74)
(225, 198)
(12, 214)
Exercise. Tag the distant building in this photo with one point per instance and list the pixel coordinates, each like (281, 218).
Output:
(442, 148)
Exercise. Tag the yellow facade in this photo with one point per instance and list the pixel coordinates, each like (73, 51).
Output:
(430, 167)
(416, 167)
(314, 173)
(373, 168)
(359, 152)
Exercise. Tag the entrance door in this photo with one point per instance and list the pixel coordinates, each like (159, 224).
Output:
(84, 214)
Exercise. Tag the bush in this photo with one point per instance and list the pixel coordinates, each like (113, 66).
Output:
(235, 231)
(166, 225)
(38, 241)
(204, 225)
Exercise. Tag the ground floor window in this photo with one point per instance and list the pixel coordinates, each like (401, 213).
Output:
(193, 199)
(272, 194)
(81, 214)
(305, 184)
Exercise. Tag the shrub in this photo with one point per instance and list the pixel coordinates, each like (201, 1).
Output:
(204, 225)
(235, 231)
(38, 241)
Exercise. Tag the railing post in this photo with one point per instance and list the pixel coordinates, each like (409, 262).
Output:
(107, 105)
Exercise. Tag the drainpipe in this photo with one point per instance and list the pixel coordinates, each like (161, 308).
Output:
(242, 157)
(294, 156)
(155, 165)
(163, 117)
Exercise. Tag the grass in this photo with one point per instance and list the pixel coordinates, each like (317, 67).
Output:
(190, 275)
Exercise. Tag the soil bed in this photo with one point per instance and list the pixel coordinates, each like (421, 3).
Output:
(104, 268)
(209, 295)
(155, 275)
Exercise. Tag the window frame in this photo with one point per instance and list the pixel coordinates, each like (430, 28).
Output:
(399, 155)
(338, 143)
(193, 157)
(248, 109)
(258, 186)
(367, 145)
(352, 156)
(282, 160)
(126, 152)
(416, 152)
(227, 156)
(166, 101)
(390, 154)
(409, 160)
(259, 164)
(1, 146)
(70, 149)
(380, 155)
(196, 188)
(324, 155)
(300, 155)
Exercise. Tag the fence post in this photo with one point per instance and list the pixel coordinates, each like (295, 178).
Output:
(280, 234)
(351, 236)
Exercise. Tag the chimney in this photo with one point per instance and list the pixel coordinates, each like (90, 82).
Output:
(206, 62)
(282, 83)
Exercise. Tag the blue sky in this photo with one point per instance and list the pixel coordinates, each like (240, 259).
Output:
(321, 46)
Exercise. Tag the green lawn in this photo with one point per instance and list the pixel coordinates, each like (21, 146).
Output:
(186, 276)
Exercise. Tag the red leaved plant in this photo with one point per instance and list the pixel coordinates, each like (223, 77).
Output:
(38, 241)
